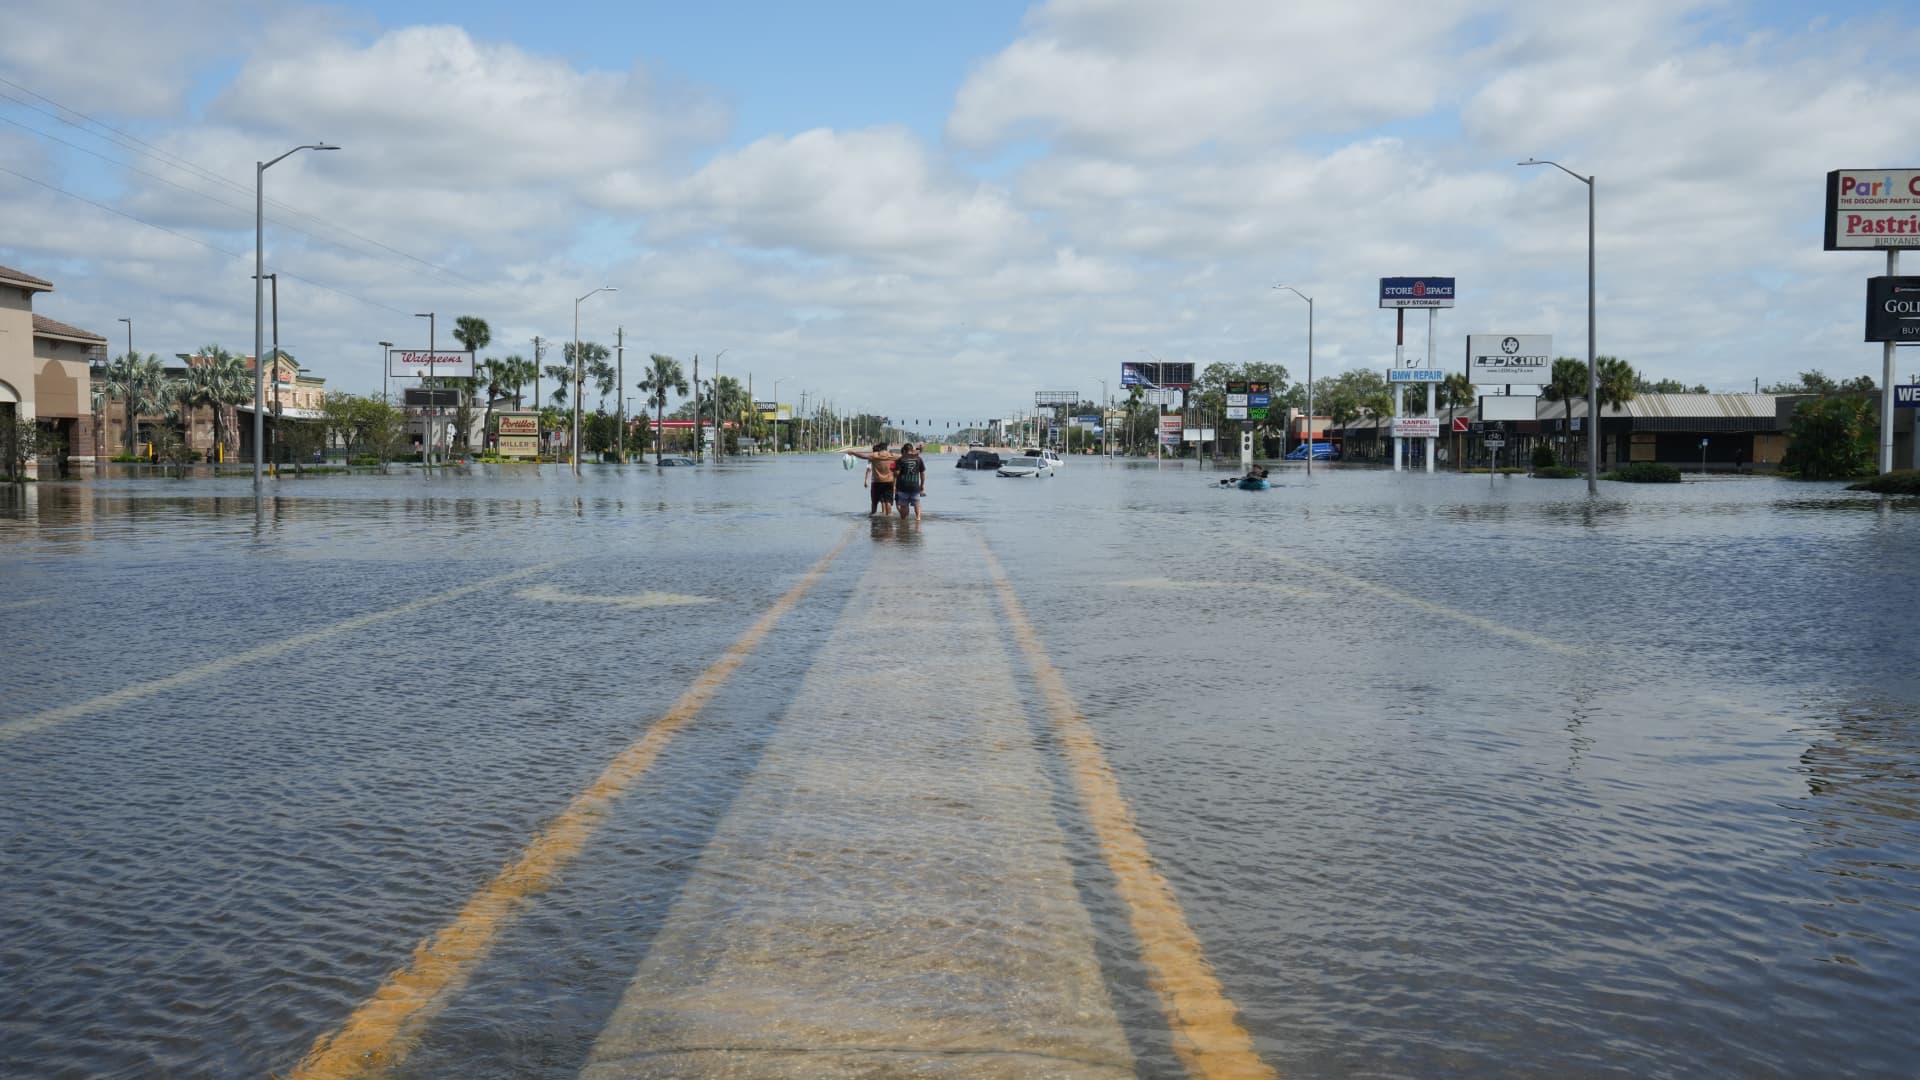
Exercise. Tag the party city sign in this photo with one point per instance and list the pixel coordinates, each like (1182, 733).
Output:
(1870, 209)
(1408, 292)
(1510, 358)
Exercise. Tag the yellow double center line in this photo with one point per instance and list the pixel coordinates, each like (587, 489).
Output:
(1206, 1033)
(376, 1035)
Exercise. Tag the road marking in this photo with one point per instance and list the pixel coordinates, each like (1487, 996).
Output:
(377, 1035)
(1538, 641)
(1206, 1032)
(1170, 585)
(14, 605)
(126, 695)
(634, 600)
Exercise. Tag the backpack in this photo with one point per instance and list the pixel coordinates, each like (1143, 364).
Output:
(908, 473)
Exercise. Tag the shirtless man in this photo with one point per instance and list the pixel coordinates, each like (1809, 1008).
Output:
(880, 473)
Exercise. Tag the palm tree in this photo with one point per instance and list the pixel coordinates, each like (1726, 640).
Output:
(493, 375)
(561, 374)
(140, 384)
(202, 386)
(1567, 382)
(1618, 382)
(1136, 398)
(1377, 406)
(664, 375)
(1456, 392)
(230, 384)
(516, 372)
(473, 332)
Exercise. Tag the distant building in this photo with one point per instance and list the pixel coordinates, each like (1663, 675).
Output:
(301, 396)
(43, 367)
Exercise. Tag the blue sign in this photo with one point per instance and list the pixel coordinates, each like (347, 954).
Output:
(1418, 374)
(1413, 292)
(1259, 401)
(1906, 397)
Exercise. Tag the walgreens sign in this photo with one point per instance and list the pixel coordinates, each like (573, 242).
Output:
(1869, 209)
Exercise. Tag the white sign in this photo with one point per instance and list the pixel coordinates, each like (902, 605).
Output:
(1873, 208)
(1236, 401)
(1510, 358)
(415, 363)
(1416, 427)
(1236, 412)
(1508, 408)
(1197, 434)
(1416, 375)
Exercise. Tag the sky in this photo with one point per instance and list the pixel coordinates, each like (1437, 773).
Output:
(932, 211)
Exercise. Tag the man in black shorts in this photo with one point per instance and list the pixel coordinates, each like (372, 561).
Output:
(880, 477)
(909, 480)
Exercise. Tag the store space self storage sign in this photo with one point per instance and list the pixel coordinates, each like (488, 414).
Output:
(1871, 209)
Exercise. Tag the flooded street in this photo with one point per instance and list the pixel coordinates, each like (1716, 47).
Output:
(702, 772)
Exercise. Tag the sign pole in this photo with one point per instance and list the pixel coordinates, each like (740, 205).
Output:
(1398, 392)
(1432, 407)
(1886, 386)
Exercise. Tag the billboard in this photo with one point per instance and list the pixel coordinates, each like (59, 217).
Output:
(1056, 397)
(1871, 209)
(414, 363)
(1893, 309)
(1416, 292)
(1508, 408)
(773, 411)
(1510, 358)
(1162, 374)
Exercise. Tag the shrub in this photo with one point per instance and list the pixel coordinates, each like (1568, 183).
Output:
(1831, 439)
(1644, 472)
(1897, 482)
(1543, 457)
(1557, 472)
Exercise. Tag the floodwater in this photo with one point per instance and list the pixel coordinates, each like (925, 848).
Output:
(701, 772)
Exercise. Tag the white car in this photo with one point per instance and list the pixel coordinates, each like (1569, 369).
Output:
(1031, 464)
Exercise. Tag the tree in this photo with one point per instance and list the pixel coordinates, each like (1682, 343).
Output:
(473, 332)
(562, 375)
(1831, 439)
(1567, 382)
(140, 385)
(1819, 383)
(1456, 392)
(21, 441)
(1666, 386)
(1618, 382)
(663, 376)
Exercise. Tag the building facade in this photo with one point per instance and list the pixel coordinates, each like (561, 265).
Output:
(44, 368)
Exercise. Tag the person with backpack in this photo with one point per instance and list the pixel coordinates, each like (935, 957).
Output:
(909, 480)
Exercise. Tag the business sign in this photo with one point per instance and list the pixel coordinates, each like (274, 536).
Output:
(1906, 397)
(1409, 292)
(415, 363)
(1493, 407)
(1416, 427)
(1167, 375)
(1056, 397)
(1510, 358)
(431, 398)
(1237, 412)
(519, 446)
(1170, 422)
(1869, 209)
(1893, 309)
(1460, 423)
(1416, 375)
(519, 423)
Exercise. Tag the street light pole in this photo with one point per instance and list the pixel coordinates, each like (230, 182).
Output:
(386, 364)
(426, 426)
(579, 375)
(776, 413)
(719, 422)
(259, 267)
(1593, 372)
(1106, 405)
(1310, 440)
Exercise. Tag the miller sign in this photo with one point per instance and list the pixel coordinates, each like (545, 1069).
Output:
(1870, 209)
(1893, 309)
(1413, 292)
(1510, 358)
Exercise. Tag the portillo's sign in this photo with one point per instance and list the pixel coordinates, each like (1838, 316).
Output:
(1873, 209)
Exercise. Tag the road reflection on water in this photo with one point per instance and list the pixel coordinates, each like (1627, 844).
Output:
(1444, 776)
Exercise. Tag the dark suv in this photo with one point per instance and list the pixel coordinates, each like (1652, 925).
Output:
(978, 459)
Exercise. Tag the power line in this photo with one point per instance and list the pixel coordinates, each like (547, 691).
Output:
(171, 160)
(195, 240)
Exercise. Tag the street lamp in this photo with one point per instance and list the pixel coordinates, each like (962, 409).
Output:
(1309, 300)
(719, 428)
(259, 268)
(426, 426)
(1593, 372)
(776, 414)
(386, 365)
(1106, 406)
(579, 375)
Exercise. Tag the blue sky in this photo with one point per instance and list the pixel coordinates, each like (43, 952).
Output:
(917, 204)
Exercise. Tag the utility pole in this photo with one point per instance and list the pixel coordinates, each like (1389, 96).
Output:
(620, 377)
(537, 434)
(719, 432)
(696, 407)
(273, 444)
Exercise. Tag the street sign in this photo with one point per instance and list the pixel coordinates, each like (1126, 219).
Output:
(1906, 397)
(1495, 443)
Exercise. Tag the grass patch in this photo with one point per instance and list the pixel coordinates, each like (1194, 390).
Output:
(1644, 472)
(1556, 472)
(1897, 482)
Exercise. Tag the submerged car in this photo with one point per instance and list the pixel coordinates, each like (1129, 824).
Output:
(978, 459)
(1321, 452)
(670, 459)
(1026, 466)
